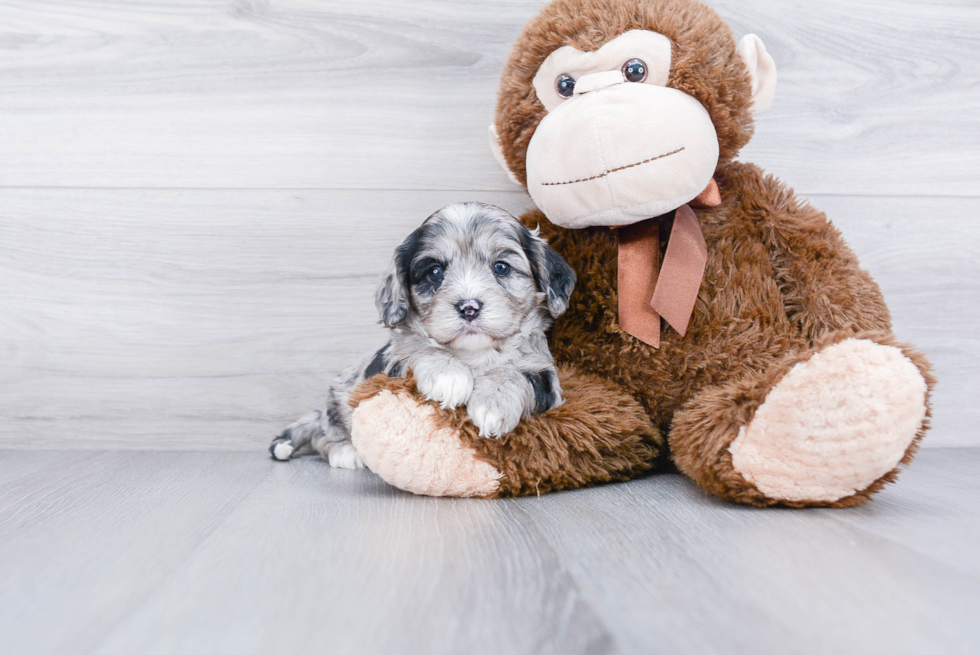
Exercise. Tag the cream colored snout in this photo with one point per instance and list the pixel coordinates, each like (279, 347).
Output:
(596, 81)
(618, 152)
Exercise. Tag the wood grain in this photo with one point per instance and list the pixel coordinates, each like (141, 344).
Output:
(231, 553)
(925, 255)
(931, 511)
(85, 537)
(187, 319)
(208, 319)
(321, 560)
(672, 571)
(874, 98)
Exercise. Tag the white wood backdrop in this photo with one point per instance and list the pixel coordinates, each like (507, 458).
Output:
(197, 197)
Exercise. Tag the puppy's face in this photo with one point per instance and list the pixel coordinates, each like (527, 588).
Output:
(472, 275)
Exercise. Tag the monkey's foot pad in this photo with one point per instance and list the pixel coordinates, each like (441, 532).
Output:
(834, 424)
(400, 440)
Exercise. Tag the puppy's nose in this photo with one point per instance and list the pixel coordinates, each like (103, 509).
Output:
(469, 309)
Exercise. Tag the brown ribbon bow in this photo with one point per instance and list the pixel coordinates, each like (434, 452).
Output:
(648, 291)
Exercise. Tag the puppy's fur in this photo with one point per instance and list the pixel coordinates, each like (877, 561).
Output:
(468, 297)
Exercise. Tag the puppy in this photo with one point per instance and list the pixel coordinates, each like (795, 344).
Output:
(468, 297)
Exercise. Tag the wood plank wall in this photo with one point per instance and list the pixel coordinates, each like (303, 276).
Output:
(197, 197)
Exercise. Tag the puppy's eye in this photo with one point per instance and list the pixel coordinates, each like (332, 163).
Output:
(635, 70)
(565, 85)
(501, 269)
(435, 274)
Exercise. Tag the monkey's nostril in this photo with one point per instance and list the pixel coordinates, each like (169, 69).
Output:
(469, 309)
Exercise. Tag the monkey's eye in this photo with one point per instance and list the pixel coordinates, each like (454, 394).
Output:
(501, 269)
(635, 70)
(435, 274)
(565, 85)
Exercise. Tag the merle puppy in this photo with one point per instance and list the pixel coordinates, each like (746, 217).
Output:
(467, 297)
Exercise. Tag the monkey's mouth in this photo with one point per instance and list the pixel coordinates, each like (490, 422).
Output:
(614, 170)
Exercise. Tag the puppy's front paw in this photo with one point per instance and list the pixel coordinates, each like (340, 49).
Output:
(490, 411)
(450, 389)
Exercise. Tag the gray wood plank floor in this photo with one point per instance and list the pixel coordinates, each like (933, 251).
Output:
(182, 552)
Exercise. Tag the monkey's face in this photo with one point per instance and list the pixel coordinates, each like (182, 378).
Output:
(630, 127)
(617, 145)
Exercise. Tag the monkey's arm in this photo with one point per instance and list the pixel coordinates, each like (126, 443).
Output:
(823, 285)
(599, 434)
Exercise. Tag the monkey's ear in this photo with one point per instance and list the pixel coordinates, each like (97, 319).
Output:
(552, 274)
(762, 69)
(498, 154)
(391, 298)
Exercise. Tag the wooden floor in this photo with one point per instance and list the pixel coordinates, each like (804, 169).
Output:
(191, 552)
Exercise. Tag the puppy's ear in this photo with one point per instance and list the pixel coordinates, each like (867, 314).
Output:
(552, 273)
(392, 298)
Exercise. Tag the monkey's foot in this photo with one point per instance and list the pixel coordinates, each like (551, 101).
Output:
(401, 440)
(834, 424)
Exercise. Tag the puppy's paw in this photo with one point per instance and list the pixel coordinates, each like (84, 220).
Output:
(295, 439)
(343, 456)
(281, 448)
(450, 388)
(490, 411)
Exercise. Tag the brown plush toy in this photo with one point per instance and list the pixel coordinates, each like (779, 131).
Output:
(718, 321)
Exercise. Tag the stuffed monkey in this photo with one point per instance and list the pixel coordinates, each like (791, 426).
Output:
(719, 322)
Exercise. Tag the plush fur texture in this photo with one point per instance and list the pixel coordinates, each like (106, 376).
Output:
(426, 458)
(780, 284)
(711, 422)
(599, 434)
(780, 288)
(834, 424)
(705, 65)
